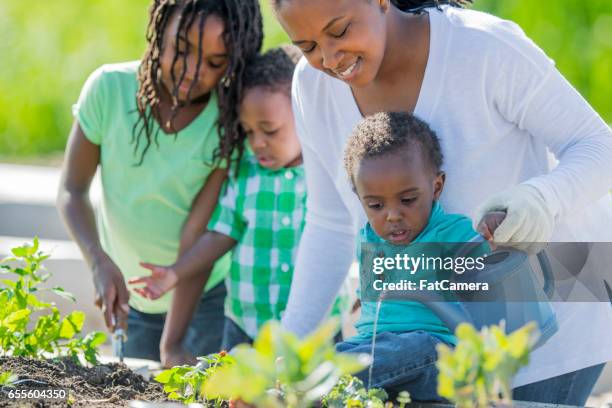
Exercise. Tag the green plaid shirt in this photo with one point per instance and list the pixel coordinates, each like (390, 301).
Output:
(264, 210)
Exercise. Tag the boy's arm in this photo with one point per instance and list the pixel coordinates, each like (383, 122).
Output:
(189, 288)
(193, 270)
(201, 209)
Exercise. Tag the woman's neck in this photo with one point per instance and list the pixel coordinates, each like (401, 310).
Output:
(407, 46)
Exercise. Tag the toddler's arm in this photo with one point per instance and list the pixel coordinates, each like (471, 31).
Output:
(189, 290)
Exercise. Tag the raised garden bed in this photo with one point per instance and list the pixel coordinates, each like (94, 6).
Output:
(105, 385)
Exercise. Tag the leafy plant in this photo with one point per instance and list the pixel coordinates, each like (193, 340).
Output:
(351, 392)
(20, 334)
(7, 378)
(479, 371)
(185, 383)
(281, 370)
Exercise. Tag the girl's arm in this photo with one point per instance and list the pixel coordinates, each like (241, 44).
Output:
(194, 265)
(80, 164)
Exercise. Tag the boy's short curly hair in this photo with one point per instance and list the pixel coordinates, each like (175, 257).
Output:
(273, 69)
(386, 133)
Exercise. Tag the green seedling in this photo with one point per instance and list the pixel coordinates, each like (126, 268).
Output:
(351, 392)
(7, 378)
(280, 370)
(479, 371)
(185, 383)
(50, 334)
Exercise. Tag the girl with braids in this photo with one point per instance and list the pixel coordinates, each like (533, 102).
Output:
(502, 111)
(161, 131)
(261, 214)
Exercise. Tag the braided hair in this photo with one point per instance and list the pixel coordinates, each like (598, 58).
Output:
(243, 35)
(412, 6)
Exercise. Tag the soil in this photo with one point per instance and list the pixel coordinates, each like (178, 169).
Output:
(107, 385)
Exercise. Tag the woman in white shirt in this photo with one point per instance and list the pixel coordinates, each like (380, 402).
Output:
(501, 110)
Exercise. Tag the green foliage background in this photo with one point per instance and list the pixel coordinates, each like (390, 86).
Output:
(48, 48)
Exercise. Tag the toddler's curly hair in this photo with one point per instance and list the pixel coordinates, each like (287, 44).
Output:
(386, 133)
(272, 69)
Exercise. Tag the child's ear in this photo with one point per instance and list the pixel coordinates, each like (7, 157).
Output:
(439, 184)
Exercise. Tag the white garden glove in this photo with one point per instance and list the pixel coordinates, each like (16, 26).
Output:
(529, 222)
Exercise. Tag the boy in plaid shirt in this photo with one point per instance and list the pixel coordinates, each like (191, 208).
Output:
(261, 214)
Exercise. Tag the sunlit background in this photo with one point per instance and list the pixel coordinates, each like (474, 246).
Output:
(48, 48)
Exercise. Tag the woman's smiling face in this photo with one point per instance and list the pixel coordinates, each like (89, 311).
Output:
(343, 38)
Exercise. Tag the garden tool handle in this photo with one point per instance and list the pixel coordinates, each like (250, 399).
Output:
(119, 337)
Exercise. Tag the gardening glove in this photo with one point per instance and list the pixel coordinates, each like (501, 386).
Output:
(529, 222)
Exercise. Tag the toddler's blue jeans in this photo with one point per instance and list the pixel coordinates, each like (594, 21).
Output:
(402, 362)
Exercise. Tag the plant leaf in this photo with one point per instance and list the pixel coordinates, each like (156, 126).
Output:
(16, 320)
(61, 292)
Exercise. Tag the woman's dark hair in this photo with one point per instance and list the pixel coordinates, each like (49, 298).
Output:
(416, 6)
(383, 134)
(243, 37)
(413, 6)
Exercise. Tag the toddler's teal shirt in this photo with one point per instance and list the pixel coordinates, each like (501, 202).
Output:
(405, 316)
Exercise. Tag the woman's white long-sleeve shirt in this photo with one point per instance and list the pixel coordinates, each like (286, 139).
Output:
(502, 111)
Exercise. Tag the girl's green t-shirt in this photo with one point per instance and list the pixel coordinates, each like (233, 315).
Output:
(144, 207)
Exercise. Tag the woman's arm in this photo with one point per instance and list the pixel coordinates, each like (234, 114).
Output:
(530, 92)
(327, 245)
(80, 164)
(579, 139)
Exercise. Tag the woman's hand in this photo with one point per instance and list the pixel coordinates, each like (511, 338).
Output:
(160, 282)
(528, 222)
(111, 293)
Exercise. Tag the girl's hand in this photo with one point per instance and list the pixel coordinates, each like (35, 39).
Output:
(528, 223)
(111, 293)
(162, 280)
